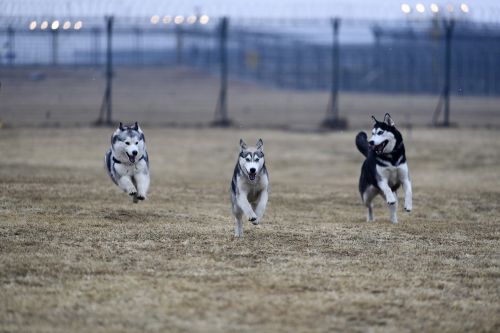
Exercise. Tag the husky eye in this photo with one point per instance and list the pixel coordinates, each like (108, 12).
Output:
(256, 160)
(137, 143)
(128, 143)
(380, 132)
(248, 159)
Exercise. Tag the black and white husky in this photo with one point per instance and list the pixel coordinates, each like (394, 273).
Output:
(385, 167)
(249, 187)
(127, 161)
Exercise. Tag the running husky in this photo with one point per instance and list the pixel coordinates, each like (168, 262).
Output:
(249, 187)
(385, 167)
(127, 161)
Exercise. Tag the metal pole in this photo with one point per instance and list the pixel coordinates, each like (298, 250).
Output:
(447, 78)
(179, 36)
(444, 99)
(106, 103)
(332, 119)
(10, 46)
(221, 118)
(55, 46)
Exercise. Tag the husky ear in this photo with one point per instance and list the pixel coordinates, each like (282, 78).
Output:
(375, 120)
(136, 126)
(260, 145)
(243, 145)
(388, 120)
(120, 126)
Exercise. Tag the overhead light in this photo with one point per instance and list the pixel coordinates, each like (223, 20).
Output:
(420, 7)
(67, 25)
(191, 19)
(32, 25)
(54, 25)
(434, 8)
(155, 19)
(78, 25)
(179, 19)
(44, 25)
(167, 19)
(464, 8)
(405, 8)
(204, 19)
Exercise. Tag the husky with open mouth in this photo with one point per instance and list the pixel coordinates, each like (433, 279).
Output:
(127, 161)
(385, 168)
(249, 186)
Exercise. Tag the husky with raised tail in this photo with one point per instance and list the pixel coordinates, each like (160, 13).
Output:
(127, 161)
(249, 187)
(385, 168)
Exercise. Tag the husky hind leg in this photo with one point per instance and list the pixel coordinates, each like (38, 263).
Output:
(368, 196)
(238, 223)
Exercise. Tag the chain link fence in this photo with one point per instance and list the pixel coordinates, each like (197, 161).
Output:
(190, 71)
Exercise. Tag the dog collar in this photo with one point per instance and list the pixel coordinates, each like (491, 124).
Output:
(119, 162)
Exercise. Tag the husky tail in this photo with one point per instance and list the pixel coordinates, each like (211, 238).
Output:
(362, 143)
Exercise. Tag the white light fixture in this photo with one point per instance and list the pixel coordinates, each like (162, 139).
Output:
(405, 8)
(54, 25)
(44, 25)
(155, 19)
(434, 8)
(464, 8)
(78, 25)
(32, 25)
(67, 25)
(420, 7)
(167, 19)
(191, 19)
(204, 19)
(179, 19)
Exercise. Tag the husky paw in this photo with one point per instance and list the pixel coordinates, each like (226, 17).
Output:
(255, 222)
(408, 210)
(391, 203)
(252, 219)
(132, 193)
(394, 221)
(141, 197)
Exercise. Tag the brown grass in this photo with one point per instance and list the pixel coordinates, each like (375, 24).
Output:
(77, 256)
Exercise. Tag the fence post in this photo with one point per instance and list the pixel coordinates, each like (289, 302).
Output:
(55, 46)
(179, 33)
(106, 102)
(445, 95)
(332, 119)
(221, 118)
(11, 55)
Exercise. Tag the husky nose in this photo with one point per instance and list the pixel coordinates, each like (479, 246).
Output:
(134, 153)
(252, 170)
(371, 142)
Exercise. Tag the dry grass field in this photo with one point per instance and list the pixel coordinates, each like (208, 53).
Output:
(77, 256)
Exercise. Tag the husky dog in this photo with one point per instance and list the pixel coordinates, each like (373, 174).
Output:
(127, 161)
(385, 167)
(249, 187)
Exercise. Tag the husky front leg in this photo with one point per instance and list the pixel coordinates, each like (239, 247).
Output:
(393, 208)
(238, 223)
(261, 207)
(389, 196)
(142, 180)
(246, 207)
(126, 184)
